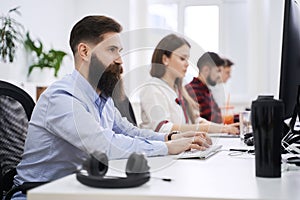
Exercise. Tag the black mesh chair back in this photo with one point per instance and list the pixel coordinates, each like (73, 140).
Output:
(126, 110)
(16, 107)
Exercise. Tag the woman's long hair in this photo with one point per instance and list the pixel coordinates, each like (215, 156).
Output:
(166, 47)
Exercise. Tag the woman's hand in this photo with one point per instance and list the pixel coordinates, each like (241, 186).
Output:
(231, 129)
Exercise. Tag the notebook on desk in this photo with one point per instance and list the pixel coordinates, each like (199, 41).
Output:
(200, 154)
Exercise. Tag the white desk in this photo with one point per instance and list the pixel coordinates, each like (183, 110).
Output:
(219, 177)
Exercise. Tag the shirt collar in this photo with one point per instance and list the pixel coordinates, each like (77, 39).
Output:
(201, 84)
(103, 98)
(85, 86)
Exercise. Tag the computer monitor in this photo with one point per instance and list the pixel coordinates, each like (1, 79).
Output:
(290, 56)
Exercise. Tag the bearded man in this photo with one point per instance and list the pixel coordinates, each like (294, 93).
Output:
(209, 65)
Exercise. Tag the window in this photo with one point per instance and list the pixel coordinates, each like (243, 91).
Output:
(163, 16)
(201, 24)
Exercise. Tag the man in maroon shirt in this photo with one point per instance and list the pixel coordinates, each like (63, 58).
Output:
(209, 65)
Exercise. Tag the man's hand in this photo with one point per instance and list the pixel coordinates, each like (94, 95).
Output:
(188, 140)
(231, 129)
(189, 134)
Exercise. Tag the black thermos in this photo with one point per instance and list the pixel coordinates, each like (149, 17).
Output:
(267, 123)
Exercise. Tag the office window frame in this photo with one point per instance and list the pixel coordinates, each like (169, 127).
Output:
(181, 7)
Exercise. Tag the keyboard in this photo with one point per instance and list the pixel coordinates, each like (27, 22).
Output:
(200, 154)
(223, 135)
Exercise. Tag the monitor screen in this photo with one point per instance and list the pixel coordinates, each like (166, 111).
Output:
(290, 56)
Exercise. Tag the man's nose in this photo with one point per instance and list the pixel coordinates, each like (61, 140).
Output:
(118, 60)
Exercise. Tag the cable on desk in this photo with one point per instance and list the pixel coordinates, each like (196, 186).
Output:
(238, 152)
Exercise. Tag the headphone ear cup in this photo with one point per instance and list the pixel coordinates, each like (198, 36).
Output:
(137, 164)
(97, 166)
(137, 171)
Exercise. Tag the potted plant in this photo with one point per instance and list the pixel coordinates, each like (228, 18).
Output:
(41, 58)
(11, 33)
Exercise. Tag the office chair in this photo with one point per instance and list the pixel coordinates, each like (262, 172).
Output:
(126, 110)
(16, 107)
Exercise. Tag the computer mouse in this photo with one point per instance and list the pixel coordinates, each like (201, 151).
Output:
(294, 160)
(249, 141)
(248, 135)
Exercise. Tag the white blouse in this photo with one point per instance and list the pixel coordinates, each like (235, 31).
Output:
(159, 110)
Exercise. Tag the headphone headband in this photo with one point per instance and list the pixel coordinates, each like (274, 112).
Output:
(113, 182)
(137, 171)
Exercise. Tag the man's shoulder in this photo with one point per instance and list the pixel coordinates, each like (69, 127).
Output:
(65, 88)
(64, 84)
(196, 84)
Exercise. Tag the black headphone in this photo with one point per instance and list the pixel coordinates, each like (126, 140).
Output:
(249, 139)
(137, 171)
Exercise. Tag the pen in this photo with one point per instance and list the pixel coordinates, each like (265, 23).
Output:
(242, 150)
(163, 178)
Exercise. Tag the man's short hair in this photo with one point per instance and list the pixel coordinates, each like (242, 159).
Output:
(91, 29)
(227, 62)
(209, 59)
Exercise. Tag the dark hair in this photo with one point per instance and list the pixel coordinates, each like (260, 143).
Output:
(227, 62)
(210, 59)
(165, 47)
(91, 29)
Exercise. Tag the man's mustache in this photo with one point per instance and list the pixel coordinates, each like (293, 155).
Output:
(109, 79)
(114, 68)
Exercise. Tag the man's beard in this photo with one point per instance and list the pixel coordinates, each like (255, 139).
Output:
(106, 79)
(210, 81)
(111, 78)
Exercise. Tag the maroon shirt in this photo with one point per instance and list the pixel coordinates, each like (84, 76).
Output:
(208, 107)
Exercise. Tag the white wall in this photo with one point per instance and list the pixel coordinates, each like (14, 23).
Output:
(251, 36)
(48, 21)
(265, 45)
(234, 44)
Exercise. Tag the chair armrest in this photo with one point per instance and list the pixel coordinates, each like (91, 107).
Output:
(23, 188)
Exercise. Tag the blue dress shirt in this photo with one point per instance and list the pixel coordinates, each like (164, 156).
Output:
(71, 121)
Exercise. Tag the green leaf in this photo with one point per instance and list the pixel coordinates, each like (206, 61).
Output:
(51, 59)
(11, 34)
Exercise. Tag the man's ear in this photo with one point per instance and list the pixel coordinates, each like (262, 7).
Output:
(165, 60)
(83, 51)
(205, 70)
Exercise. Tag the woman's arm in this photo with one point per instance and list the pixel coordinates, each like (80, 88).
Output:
(208, 127)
